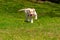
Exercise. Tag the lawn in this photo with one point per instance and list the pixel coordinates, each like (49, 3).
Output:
(13, 26)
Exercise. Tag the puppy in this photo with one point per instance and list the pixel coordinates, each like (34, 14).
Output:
(30, 13)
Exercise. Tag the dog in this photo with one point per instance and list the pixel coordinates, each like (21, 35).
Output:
(30, 14)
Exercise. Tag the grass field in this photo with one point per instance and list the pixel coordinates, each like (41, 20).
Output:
(13, 27)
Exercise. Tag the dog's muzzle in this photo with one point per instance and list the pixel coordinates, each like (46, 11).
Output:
(31, 15)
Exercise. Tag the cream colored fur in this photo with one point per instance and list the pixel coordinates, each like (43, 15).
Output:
(28, 12)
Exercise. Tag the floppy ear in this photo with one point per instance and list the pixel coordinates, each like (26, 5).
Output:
(33, 9)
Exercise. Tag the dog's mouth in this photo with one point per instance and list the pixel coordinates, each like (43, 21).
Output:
(31, 15)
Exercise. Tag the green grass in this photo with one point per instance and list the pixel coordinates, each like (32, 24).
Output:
(13, 27)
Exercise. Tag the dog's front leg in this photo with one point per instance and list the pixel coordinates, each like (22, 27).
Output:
(36, 16)
(31, 20)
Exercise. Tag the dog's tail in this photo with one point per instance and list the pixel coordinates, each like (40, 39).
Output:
(21, 10)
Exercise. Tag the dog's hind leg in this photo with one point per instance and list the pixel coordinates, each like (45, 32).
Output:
(27, 18)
